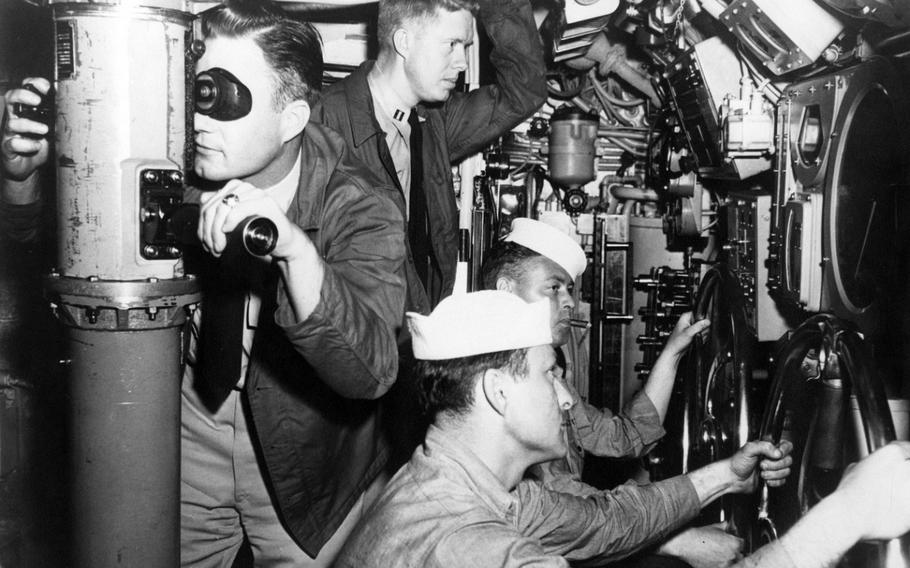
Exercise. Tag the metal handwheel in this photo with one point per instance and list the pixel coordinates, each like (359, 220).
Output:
(709, 415)
(718, 379)
(719, 372)
(818, 368)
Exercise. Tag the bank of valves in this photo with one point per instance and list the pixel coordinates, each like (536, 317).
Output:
(670, 292)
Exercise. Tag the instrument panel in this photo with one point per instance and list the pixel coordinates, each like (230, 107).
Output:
(842, 159)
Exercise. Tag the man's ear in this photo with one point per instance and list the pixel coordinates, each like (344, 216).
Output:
(495, 389)
(505, 284)
(294, 118)
(401, 42)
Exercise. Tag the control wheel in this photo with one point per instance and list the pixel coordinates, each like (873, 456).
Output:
(709, 414)
(718, 379)
(818, 369)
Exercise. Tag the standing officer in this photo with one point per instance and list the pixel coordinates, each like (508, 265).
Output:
(280, 436)
(400, 115)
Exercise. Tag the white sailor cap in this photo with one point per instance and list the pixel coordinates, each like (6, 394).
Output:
(479, 322)
(550, 242)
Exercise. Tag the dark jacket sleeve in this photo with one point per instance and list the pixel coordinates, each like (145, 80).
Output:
(476, 118)
(350, 338)
(21, 223)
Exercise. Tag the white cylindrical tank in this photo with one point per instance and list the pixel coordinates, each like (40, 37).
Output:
(121, 110)
(121, 75)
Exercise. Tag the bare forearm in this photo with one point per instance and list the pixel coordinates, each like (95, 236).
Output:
(713, 481)
(704, 547)
(660, 384)
(818, 540)
(659, 387)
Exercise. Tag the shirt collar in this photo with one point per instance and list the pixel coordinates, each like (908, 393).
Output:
(389, 107)
(480, 479)
(283, 191)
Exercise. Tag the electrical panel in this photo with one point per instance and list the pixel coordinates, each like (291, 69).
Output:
(746, 252)
(161, 192)
(729, 126)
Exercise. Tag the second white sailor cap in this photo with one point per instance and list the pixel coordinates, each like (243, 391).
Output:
(550, 242)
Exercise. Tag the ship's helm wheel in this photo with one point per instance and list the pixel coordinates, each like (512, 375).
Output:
(817, 369)
(716, 386)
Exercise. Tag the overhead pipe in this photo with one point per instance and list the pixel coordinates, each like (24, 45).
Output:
(610, 58)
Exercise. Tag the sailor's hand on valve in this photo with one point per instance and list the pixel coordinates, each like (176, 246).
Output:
(683, 333)
(24, 145)
(224, 210)
(874, 494)
(771, 462)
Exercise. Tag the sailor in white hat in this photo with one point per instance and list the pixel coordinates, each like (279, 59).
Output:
(487, 374)
(538, 261)
(513, 339)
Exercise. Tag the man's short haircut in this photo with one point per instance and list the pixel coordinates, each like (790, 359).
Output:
(293, 49)
(447, 385)
(505, 259)
(393, 14)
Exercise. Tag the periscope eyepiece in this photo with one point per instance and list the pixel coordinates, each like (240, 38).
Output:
(221, 95)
